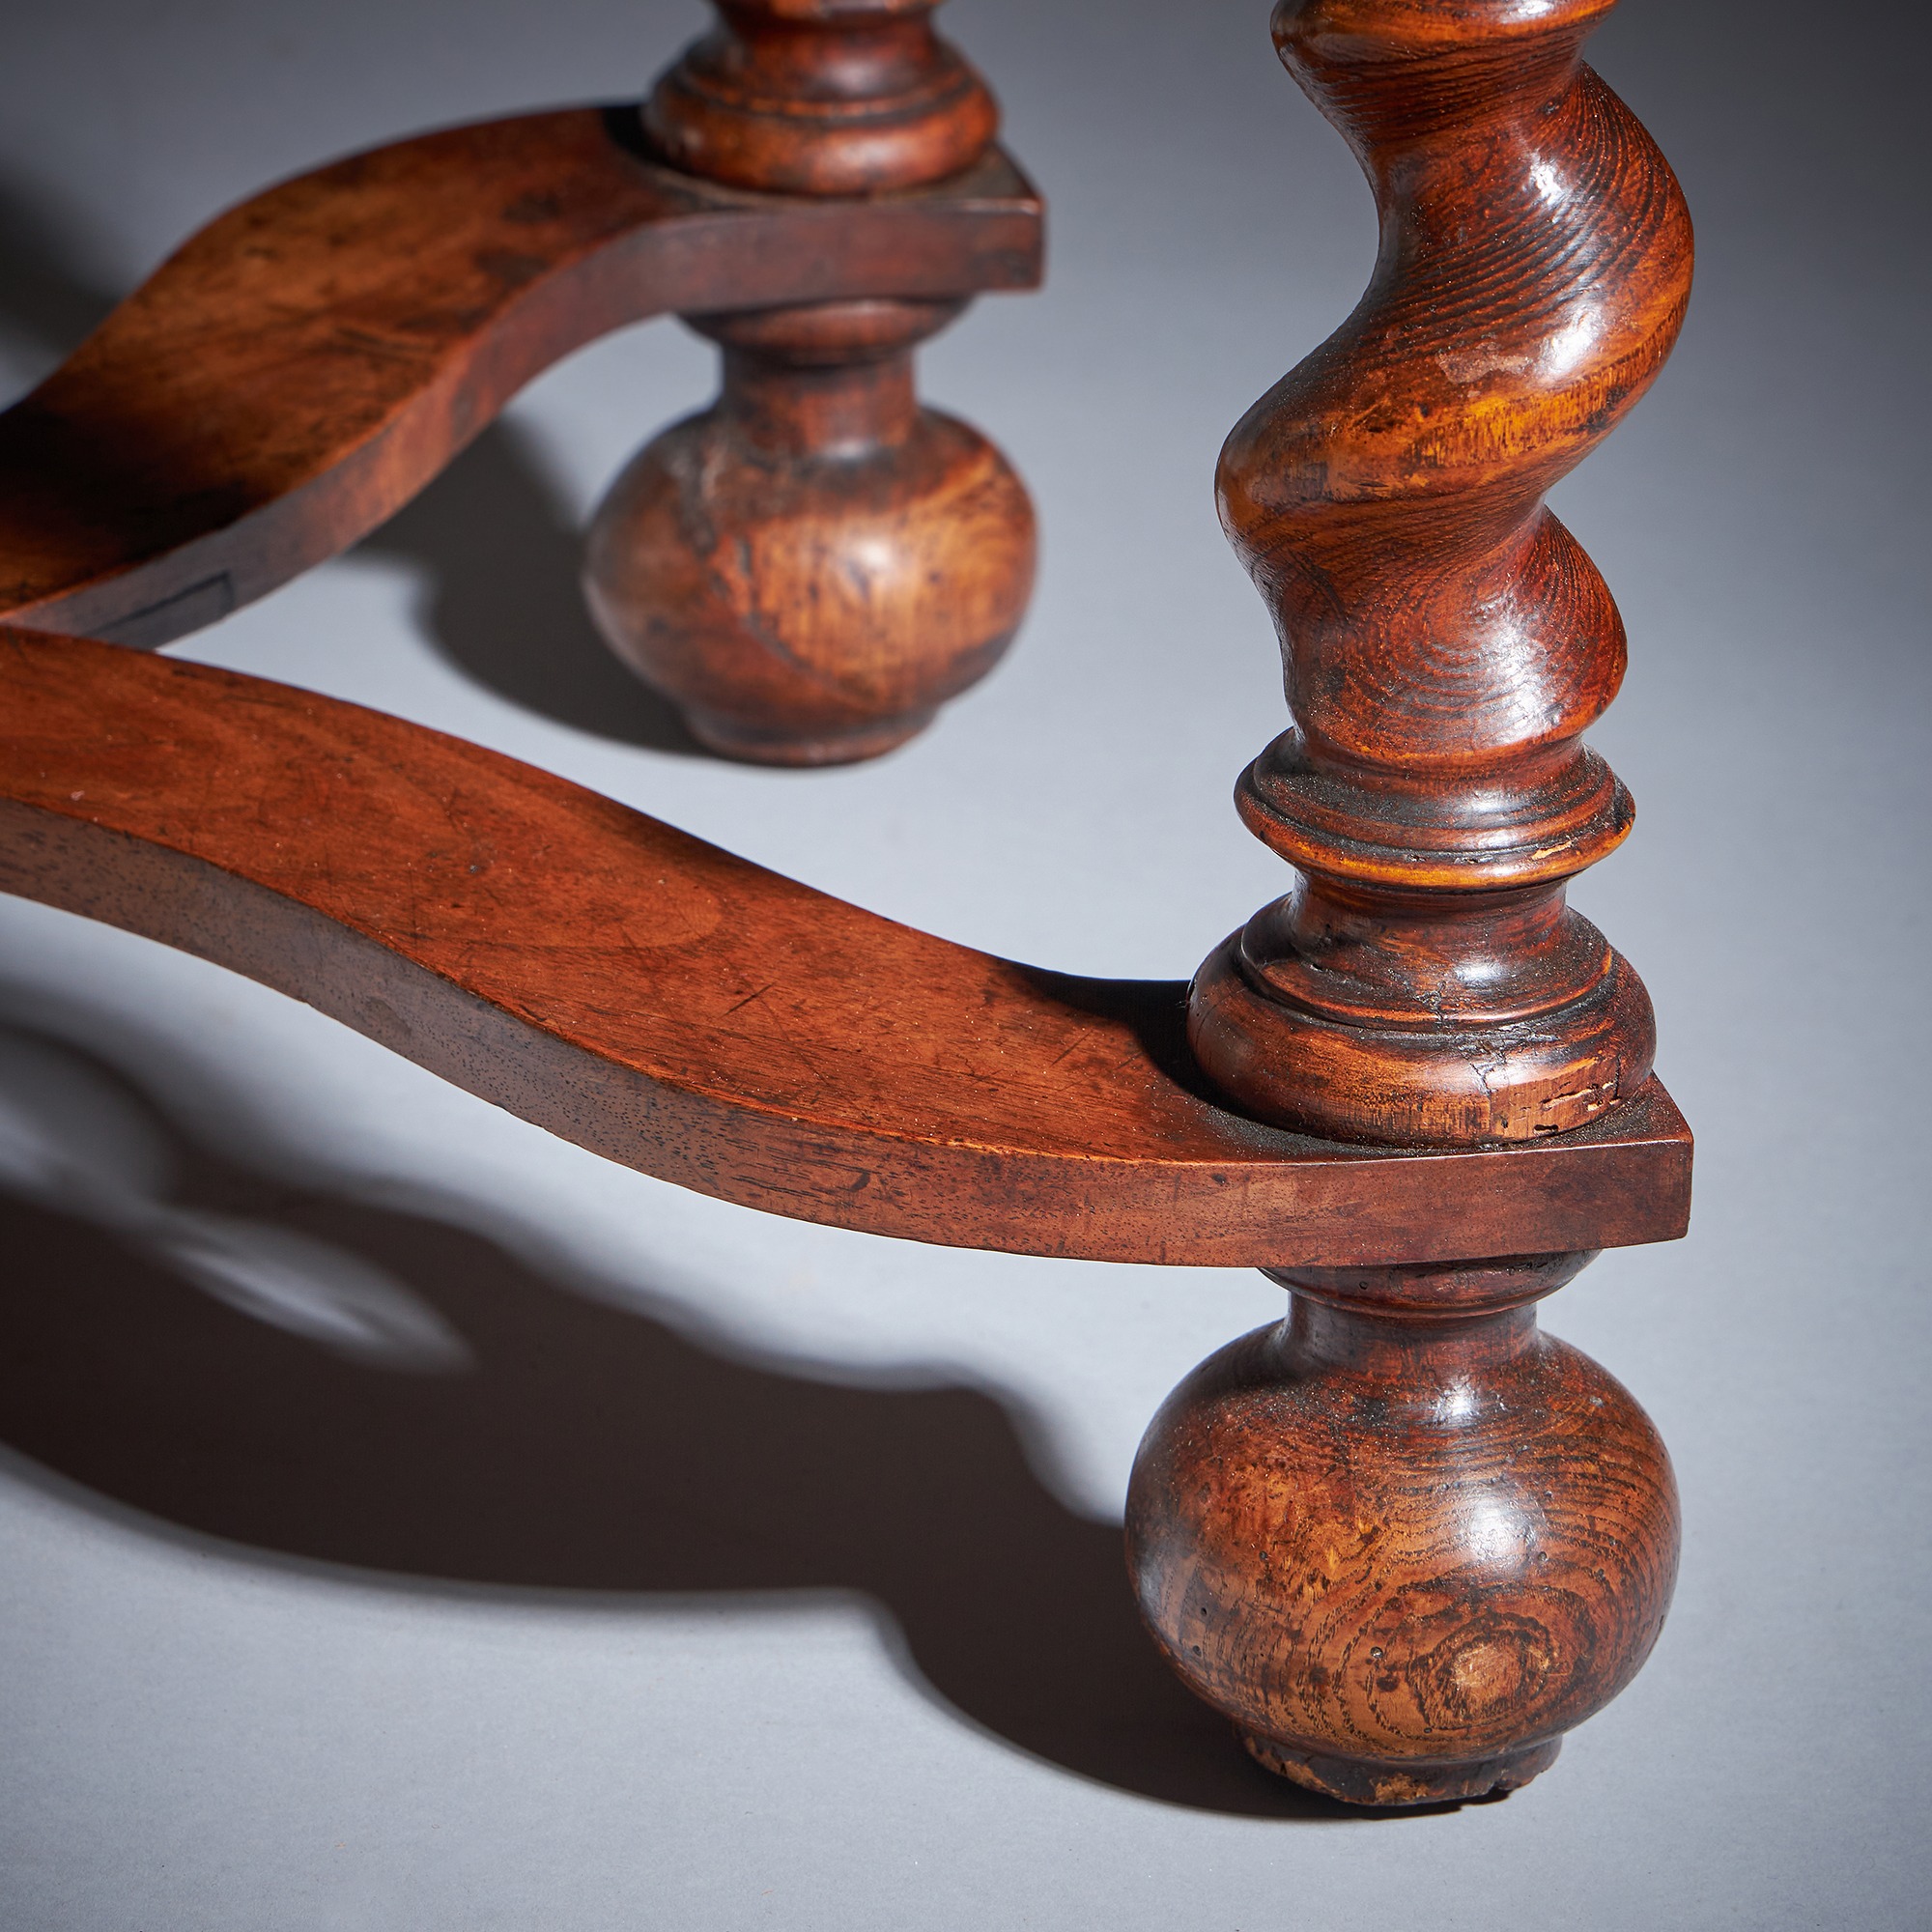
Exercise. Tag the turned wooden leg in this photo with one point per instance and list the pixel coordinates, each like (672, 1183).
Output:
(810, 568)
(1445, 641)
(1403, 1539)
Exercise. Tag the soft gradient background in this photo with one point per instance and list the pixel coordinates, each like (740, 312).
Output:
(410, 1522)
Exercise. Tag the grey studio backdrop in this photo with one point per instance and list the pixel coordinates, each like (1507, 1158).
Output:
(411, 1521)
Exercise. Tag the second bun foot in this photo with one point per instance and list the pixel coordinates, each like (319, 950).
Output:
(748, 744)
(811, 567)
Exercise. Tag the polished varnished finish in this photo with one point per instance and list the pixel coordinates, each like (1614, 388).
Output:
(821, 97)
(680, 1010)
(1444, 638)
(306, 363)
(1403, 1539)
(810, 567)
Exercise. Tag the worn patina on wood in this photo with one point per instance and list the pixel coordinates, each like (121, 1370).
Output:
(1404, 1540)
(686, 1012)
(1401, 1539)
(811, 566)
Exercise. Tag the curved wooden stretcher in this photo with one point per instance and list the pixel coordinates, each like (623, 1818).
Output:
(690, 1014)
(305, 365)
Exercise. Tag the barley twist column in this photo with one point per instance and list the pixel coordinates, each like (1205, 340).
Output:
(1444, 638)
(1403, 1539)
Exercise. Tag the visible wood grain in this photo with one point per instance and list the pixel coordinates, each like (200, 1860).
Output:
(1401, 1539)
(1446, 639)
(811, 566)
(298, 370)
(682, 1011)
(821, 97)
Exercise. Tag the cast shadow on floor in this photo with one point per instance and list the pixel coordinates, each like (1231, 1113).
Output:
(577, 1446)
(49, 300)
(499, 557)
(521, 1435)
(497, 548)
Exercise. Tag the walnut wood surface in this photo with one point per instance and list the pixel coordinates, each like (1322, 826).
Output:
(811, 566)
(680, 1010)
(302, 366)
(1401, 1539)
(821, 97)
(809, 569)
(1446, 639)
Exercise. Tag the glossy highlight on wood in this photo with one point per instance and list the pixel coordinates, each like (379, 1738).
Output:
(1401, 1539)
(683, 1011)
(821, 97)
(1444, 638)
(301, 368)
(811, 566)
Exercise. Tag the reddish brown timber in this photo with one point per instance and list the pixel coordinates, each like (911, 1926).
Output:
(302, 366)
(810, 568)
(1403, 1540)
(1446, 639)
(685, 1013)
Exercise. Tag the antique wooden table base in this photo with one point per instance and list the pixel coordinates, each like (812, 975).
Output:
(1403, 1540)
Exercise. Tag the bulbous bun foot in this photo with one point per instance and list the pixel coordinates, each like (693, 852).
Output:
(1359, 1780)
(811, 568)
(818, 610)
(1403, 1540)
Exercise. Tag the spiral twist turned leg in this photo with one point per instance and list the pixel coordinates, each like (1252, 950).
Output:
(1402, 1540)
(810, 567)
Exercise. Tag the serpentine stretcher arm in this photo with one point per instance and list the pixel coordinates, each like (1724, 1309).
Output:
(294, 375)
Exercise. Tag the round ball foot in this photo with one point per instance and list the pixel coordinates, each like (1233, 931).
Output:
(811, 567)
(1357, 1780)
(1403, 1540)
